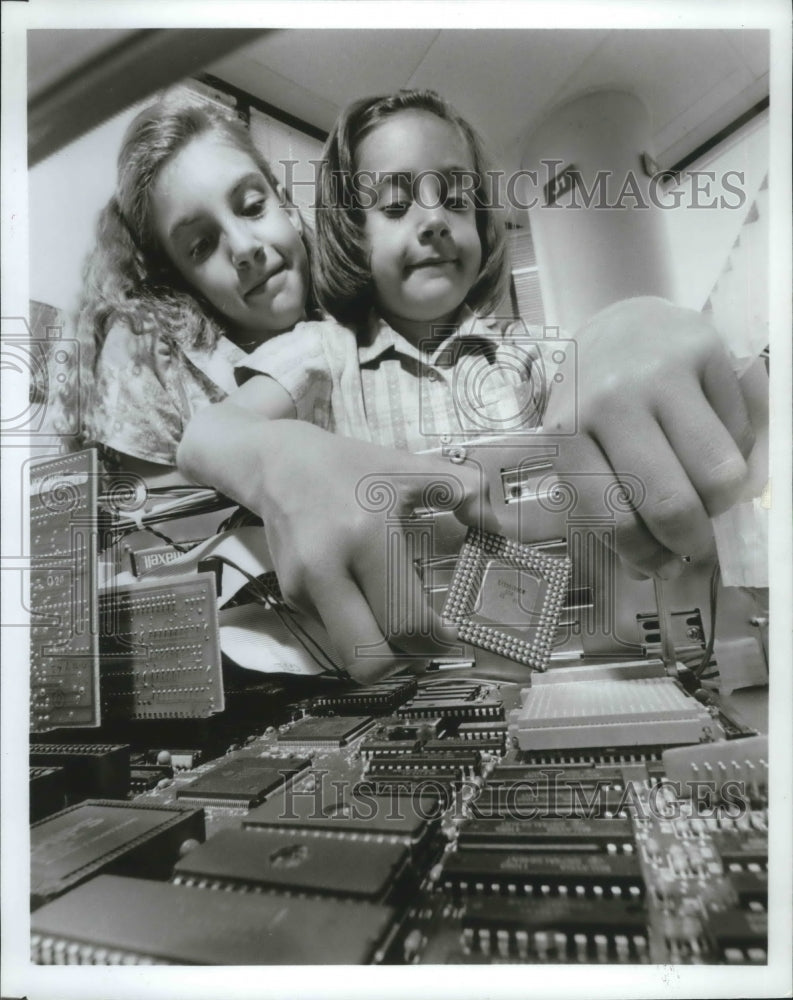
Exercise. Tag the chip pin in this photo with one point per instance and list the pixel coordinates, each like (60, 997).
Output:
(502, 938)
(602, 947)
(560, 943)
(756, 955)
(59, 953)
(580, 947)
(72, 954)
(758, 821)
(541, 944)
(640, 946)
(46, 948)
(597, 892)
(616, 891)
(468, 938)
(522, 941)
(733, 956)
(611, 848)
(484, 941)
(579, 891)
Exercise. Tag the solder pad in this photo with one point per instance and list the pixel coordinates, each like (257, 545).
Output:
(507, 597)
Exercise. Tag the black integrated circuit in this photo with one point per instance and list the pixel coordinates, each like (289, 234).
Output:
(329, 732)
(579, 835)
(516, 802)
(47, 791)
(290, 861)
(452, 709)
(113, 920)
(600, 876)
(105, 836)
(242, 782)
(556, 929)
(91, 770)
(751, 888)
(739, 936)
(401, 819)
(377, 699)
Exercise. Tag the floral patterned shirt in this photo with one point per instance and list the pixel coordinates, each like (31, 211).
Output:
(147, 390)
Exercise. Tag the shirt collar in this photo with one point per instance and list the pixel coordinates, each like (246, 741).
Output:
(217, 363)
(380, 337)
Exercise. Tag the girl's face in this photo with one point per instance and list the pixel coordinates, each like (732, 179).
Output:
(223, 228)
(424, 248)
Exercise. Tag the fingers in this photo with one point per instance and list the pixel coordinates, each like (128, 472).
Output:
(637, 506)
(397, 597)
(354, 631)
(723, 390)
(707, 448)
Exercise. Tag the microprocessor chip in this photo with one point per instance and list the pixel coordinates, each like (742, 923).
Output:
(327, 732)
(250, 859)
(400, 818)
(98, 836)
(507, 597)
(131, 920)
(242, 782)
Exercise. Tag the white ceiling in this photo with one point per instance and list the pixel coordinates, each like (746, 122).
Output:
(693, 82)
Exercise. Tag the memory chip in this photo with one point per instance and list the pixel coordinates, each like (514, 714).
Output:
(376, 699)
(417, 764)
(398, 818)
(91, 770)
(516, 802)
(370, 747)
(295, 862)
(583, 835)
(547, 776)
(452, 710)
(598, 875)
(177, 925)
(47, 791)
(556, 928)
(743, 848)
(242, 782)
(327, 732)
(739, 936)
(96, 837)
(751, 888)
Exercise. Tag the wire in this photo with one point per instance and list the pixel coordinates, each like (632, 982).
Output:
(272, 599)
(706, 660)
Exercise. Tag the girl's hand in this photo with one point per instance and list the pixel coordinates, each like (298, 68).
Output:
(655, 398)
(334, 511)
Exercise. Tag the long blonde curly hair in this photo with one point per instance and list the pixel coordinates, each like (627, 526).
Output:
(127, 277)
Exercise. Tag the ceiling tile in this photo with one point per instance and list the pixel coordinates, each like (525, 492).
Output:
(753, 47)
(337, 66)
(501, 80)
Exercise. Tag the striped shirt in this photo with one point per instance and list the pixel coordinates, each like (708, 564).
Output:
(476, 379)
